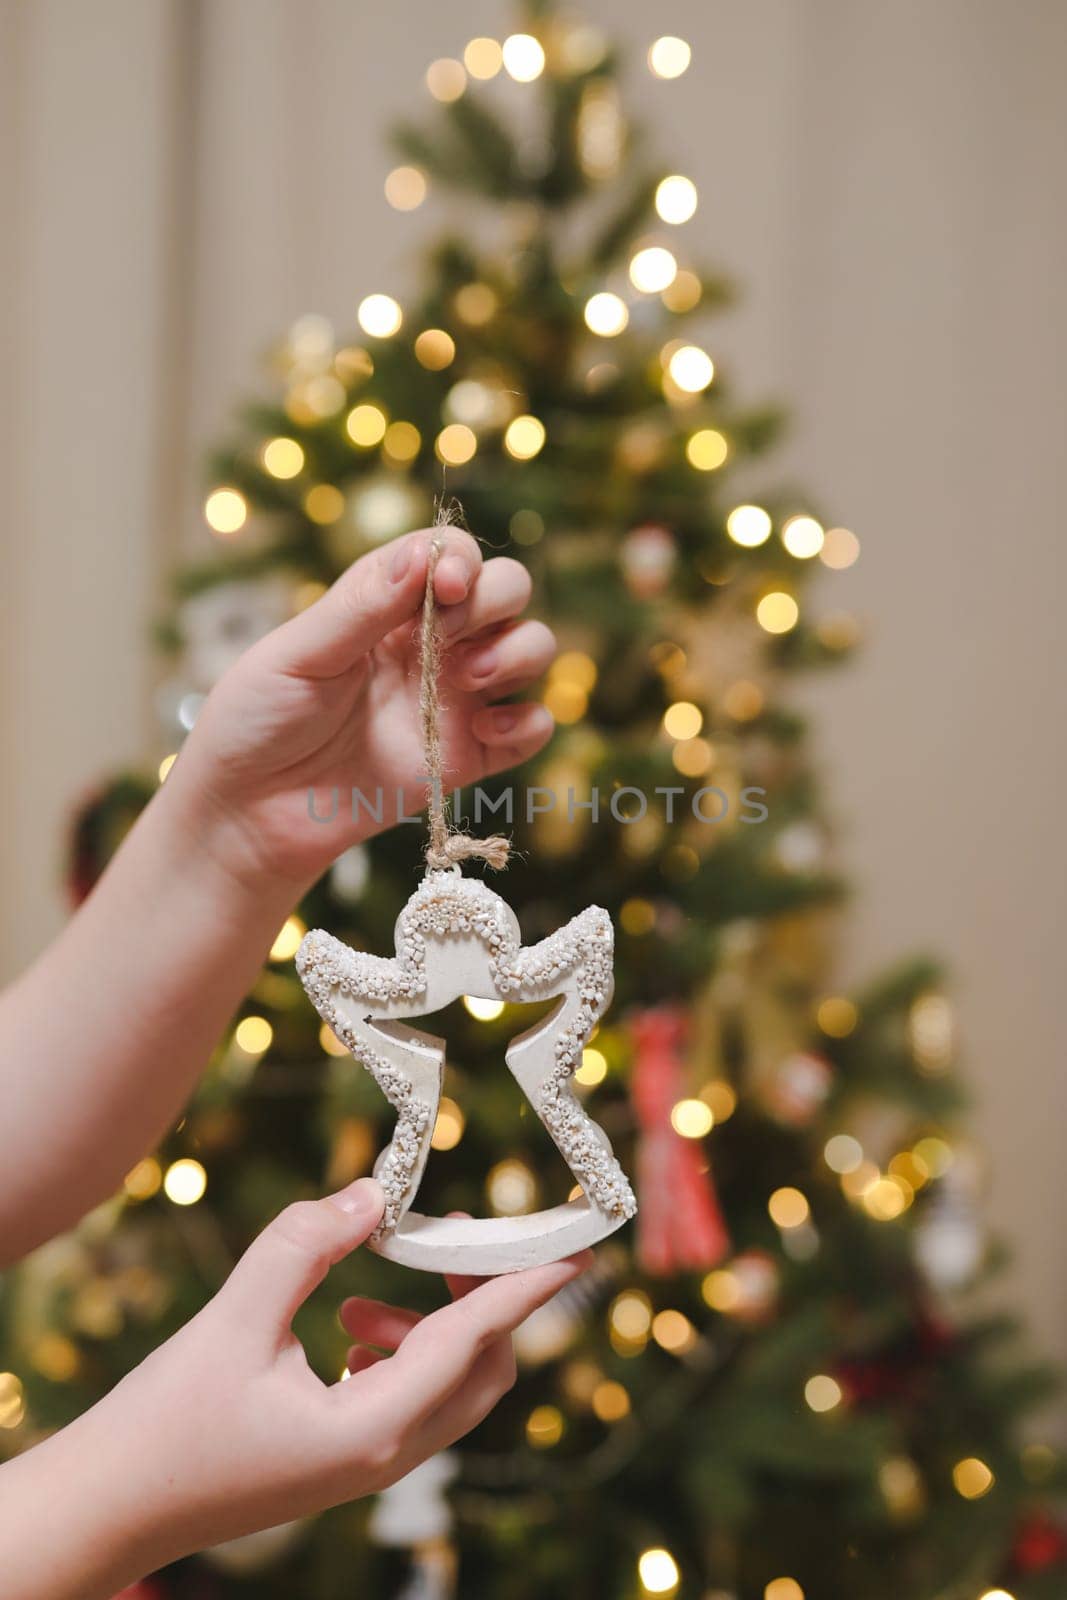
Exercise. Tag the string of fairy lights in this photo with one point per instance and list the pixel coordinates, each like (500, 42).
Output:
(478, 415)
(477, 411)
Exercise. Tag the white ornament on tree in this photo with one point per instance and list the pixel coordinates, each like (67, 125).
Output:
(415, 1510)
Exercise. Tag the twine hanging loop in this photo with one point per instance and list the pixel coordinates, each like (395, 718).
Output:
(447, 846)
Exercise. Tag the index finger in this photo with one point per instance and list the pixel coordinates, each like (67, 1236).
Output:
(375, 595)
(437, 1355)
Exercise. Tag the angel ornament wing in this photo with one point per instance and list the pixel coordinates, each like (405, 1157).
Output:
(456, 936)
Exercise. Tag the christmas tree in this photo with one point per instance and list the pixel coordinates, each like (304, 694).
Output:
(778, 1383)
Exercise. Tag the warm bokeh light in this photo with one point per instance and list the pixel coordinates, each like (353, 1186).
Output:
(446, 79)
(748, 526)
(317, 397)
(282, 458)
(483, 58)
(253, 1035)
(743, 700)
(630, 1314)
(706, 449)
(574, 666)
(902, 1486)
(483, 1010)
(783, 1589)
(842, 1153)
(610, 1401)
(836, 1016)
(673, 1331)
(934, 1154)
(931, 1032)
(165, 766)
(185, 1182)
(692, 757)
(593, 1068)
(691, 369)
(721, 1290)
(606, 314)
(455, 444)
(822, 1392)
(652, 269)
(353, 363)
(405, 188)
(669, 56)
(907, 1166)
(402, 441)
(56, 1357)
(448, 1129)
(887, 1198)
(472, 402)
(544, 1427)
(512, 1188)
(721, 1099)
(524, 437)
(383, 509)
(676, 199)
(683, 720)
(330, 1042)
(840, 549)
(226, 511)
(524, 59)
(637, 916)
(692, 1118)
(777, 612)
(435, 349)
(12, 1400)
(788, 1208)
(972, 1478)
(566, 700)
(475, 303)
(324, 504)
(365, 425)
(287, 941)
(658, 1571)
(856, 1182)
(379, 315)
(684, 293)
(144, 1180)
(803, 537)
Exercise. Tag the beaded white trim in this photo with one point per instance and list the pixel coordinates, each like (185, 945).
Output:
(444, 915)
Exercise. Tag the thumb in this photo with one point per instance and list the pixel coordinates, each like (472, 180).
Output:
(375, 595)
(293, 1254)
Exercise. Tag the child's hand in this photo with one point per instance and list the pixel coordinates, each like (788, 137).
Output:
(330, 701)
(225, 1429)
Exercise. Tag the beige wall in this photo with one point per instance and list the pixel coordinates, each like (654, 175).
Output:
(187, 178)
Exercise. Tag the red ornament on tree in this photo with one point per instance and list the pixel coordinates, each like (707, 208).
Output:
(1039, 1544)
(680, 1225)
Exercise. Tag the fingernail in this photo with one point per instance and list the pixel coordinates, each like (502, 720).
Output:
(505, 718)
(483, 662)
(361, 1198)
(401, 562)
(458, 568)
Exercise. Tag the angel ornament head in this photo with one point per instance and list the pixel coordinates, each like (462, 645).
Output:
(454, 937)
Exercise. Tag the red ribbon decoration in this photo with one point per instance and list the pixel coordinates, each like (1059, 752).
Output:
(680, 1225)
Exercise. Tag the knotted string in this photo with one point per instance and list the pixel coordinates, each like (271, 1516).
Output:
(447, 845)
